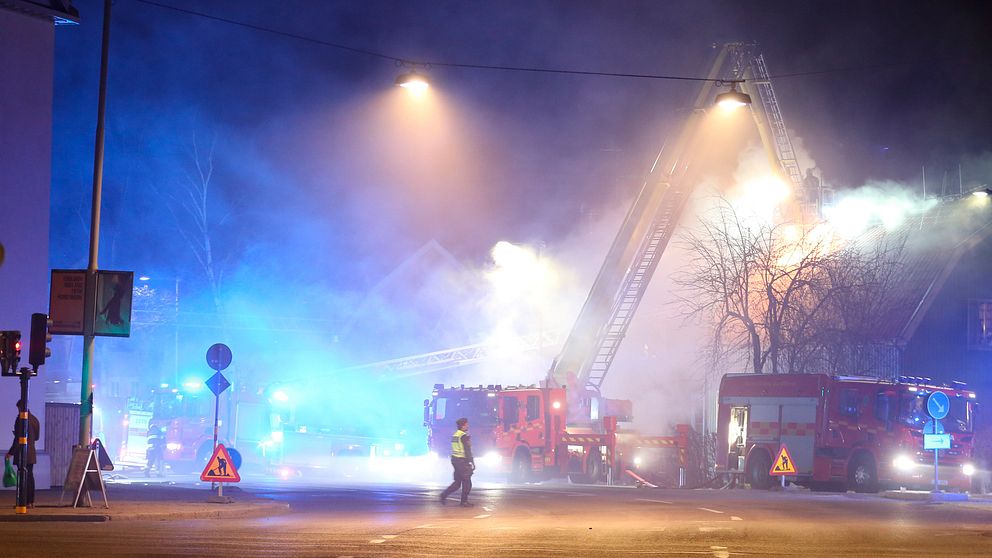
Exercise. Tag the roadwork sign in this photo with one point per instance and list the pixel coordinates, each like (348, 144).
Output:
(783, 464)
(220, 468)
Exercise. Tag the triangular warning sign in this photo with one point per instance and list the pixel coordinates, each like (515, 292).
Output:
(783, 465)
(220, 468)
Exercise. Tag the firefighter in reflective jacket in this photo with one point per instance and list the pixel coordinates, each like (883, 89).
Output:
(462, 462)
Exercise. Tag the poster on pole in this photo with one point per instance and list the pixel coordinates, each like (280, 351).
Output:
(66, 301)
(113, 303)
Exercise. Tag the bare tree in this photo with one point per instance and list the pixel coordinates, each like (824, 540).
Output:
(791, 298)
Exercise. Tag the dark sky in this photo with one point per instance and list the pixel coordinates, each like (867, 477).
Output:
(316, 177)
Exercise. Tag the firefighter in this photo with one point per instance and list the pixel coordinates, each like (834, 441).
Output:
(155, 454)
(462, 462)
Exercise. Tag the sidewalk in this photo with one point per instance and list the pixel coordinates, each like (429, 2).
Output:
(139, 500)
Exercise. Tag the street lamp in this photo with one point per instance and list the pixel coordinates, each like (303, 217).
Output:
(413, 81)
(733, 98)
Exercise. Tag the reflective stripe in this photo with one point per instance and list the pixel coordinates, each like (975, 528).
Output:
(457, 447)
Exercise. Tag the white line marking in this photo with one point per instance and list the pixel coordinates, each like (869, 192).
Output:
(387, 537)
(711, 529)
(377, 541)
(655, 501)
(483, 516)
(735, 518)
(424, 526)
(709, 510)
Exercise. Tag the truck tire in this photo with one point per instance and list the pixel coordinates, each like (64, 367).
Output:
(520, 469)
(758, 466)
(862, 474)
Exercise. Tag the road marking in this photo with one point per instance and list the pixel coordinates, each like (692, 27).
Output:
(424, 526)
(387, 537)
(709, 510)
(377, 541)
(655, 501)
(483, 516)
(735, 518)
(720, 552)
(711, 529)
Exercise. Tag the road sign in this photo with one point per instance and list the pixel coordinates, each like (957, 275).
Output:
(938, 405)
(783, 464)
(219, 356)
(218, 383)
(220, 468)
(936, 441)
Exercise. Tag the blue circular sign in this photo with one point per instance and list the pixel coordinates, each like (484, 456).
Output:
(219, 356)
(938, 405)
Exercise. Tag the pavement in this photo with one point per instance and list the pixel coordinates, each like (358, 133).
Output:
(139, 499)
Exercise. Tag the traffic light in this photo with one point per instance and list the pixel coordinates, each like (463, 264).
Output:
(10, 352)
(40, 337)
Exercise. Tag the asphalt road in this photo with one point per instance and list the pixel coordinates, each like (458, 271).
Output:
(548, 519)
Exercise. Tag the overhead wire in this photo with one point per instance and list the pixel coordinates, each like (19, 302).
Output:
(426, 64)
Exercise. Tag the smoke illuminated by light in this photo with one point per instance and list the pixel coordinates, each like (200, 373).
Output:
(888, 204)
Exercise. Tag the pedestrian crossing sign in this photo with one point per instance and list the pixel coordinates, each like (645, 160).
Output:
(220, 468)
(783, 465)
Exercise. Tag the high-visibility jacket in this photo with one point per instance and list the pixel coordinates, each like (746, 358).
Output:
(457, 447)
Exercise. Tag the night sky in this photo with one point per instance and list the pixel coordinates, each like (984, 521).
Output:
(323, 182)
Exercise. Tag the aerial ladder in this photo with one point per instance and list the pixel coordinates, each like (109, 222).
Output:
(649, 224)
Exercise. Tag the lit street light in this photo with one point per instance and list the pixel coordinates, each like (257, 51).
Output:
(733, 98)
(413, 81)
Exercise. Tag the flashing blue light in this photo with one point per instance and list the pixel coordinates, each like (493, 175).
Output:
(193, 385)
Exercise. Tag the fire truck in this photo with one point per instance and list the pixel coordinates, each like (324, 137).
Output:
(523, 431)
(565, 425)
(842, 432)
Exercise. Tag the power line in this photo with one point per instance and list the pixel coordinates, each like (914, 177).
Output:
(426, 64)
(421, 63)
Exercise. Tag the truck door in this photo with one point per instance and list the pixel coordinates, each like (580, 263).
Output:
(798, 432)
(737, 438)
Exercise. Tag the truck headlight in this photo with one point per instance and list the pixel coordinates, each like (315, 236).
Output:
(492, 459)
(903, 463)
(968, 469)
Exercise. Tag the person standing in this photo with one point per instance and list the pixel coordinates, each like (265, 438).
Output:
(462, 462)
(155, 454)
(34, 431)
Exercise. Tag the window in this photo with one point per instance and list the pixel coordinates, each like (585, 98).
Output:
(849, 402)
(883, 406)
(533, 407)
(980, 324)
(511, 413)
(440, 405)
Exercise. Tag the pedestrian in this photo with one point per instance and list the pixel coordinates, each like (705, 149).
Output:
(155, 454)
(34, 430)
(462, 462)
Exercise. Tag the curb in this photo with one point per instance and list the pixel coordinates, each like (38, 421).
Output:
(925, 496)
(226, 512)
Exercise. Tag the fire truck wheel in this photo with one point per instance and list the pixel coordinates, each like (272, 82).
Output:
(758, 466)
(520, 472)
(862, 475)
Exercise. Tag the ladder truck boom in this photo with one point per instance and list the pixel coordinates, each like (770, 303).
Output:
(595, 338)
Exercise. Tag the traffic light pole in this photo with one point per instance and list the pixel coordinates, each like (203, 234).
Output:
(21, 507)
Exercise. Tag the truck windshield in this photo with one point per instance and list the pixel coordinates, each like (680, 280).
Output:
(913, 411)
(478, 408)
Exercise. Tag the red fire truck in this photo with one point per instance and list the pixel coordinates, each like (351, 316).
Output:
(522, 431)
(842, 432)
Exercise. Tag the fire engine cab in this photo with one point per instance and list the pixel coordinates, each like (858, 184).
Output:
(842, 432)
(526, 433)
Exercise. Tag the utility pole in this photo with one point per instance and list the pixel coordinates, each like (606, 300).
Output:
(86, 395)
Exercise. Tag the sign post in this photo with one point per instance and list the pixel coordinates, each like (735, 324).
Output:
(938, 405)
(218, 357)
